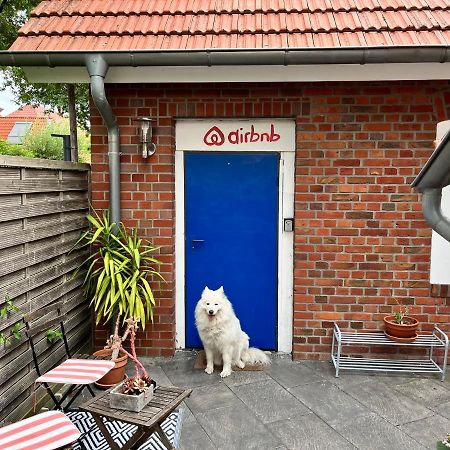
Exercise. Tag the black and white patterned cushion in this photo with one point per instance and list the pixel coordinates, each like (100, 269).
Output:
(93, 439)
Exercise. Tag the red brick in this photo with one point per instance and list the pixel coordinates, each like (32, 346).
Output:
(359, 227)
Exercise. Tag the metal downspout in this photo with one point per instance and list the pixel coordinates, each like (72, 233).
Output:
(97, 68)
(432, 211)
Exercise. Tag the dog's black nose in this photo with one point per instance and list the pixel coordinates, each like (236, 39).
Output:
(210, 312)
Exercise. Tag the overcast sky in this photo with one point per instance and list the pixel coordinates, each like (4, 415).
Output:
(6, 99)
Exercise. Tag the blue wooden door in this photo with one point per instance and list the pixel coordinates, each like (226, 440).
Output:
(231, 223)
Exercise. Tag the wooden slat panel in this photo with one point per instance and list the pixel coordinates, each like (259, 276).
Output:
(35, 163)
(40, 209)
(29, 259)
(28, 186)
(41, 278)
(43, 205)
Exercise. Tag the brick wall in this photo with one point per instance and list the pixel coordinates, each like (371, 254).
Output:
(360, 238)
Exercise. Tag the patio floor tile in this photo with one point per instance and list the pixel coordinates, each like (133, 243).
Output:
(373, 432)
(294, 374)
(387, 402)
(269, 401)
(309, 432)
(428, 431)
(193, 437)
(329, 402)
(207, 398)
(426, 391)
(237, 428)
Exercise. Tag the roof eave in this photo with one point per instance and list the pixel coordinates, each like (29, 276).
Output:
(224, 57)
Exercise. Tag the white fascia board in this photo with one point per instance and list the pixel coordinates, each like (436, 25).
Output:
(307, 73)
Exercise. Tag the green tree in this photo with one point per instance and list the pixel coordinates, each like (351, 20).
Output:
(13, 14)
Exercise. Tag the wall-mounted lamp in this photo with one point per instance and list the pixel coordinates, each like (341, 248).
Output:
(147, 147)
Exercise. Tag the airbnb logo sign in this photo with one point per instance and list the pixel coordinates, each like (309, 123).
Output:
(216, 137)
(235, 135)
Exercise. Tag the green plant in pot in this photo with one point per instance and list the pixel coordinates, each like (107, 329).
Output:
(116, 281)
(399, 326)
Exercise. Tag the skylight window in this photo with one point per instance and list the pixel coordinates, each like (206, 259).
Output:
(18, 132)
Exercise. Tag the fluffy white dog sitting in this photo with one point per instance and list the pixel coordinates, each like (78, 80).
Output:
(220, 331)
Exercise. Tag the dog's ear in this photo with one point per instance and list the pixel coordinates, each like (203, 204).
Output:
(220, 289)
(207, 289)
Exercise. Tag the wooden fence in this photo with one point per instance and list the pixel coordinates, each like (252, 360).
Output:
(43, 205)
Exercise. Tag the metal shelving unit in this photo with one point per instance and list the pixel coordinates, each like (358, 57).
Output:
(437, 339)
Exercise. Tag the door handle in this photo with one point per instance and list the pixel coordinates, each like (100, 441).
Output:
(196, 242)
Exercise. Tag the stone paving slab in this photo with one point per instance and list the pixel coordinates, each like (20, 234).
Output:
(329, 402)
(194, 437)
(388, 403)
(211, 397)
(293, 374)
(309, 432)
(269, 401)
(426, 391)
(427, 431)
(375, 433)
(237, 428)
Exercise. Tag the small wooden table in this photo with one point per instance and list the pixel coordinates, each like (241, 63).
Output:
(165, 400)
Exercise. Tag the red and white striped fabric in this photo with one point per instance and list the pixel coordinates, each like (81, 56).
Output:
(77, 371)
(45, 431)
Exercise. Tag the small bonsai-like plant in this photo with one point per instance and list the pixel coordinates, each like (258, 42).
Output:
(141, 380)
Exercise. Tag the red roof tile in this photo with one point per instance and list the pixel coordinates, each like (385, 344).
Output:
(207, 24)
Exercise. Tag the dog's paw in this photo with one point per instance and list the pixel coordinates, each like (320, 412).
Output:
(209, 370)
(225, 373)
(240, 364)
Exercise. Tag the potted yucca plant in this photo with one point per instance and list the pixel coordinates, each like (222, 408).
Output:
(116, 282)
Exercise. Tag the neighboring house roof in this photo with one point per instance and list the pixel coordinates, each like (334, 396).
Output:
(27, 114)
(77, 25)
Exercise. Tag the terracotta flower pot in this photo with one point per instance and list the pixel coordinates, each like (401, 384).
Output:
(407, 331)
(116, 374)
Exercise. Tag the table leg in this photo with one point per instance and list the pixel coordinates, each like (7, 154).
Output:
(163, 437)
(105, 432)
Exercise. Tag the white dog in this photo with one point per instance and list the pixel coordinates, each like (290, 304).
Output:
(220, 331)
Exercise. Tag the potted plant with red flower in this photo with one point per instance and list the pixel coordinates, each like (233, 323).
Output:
(135, 392)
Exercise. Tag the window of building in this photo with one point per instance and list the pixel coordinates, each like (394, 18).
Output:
(18, 132)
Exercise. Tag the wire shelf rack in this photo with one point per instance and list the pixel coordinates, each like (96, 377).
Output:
(428, 364)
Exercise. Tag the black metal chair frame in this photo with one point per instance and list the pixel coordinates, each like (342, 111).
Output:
(32, 331)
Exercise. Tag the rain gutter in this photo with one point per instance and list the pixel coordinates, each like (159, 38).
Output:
(433, 177)
(224, 57)
(97, 69)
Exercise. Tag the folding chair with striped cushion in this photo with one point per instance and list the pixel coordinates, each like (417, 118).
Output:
(45, 431)
(76, 372)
